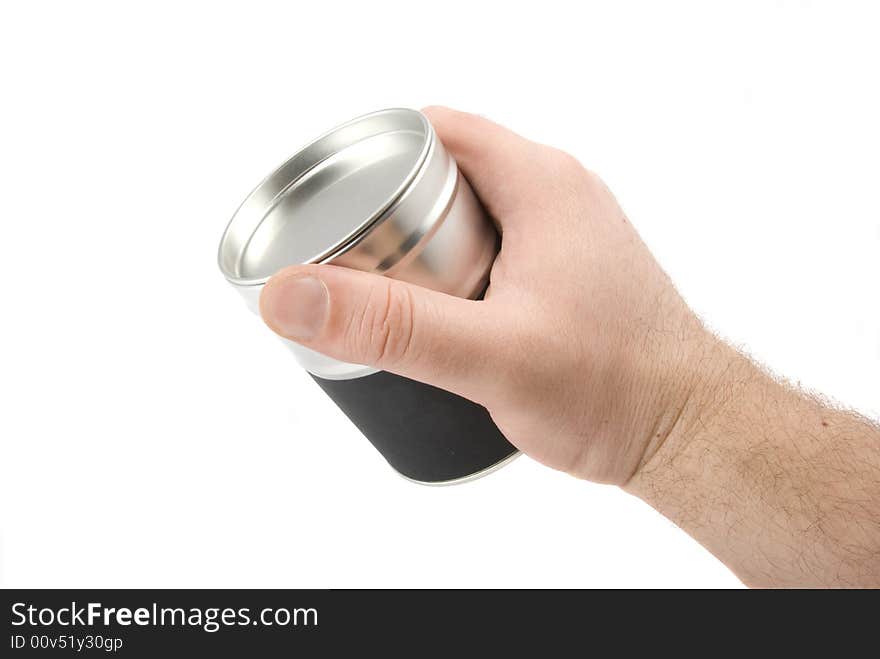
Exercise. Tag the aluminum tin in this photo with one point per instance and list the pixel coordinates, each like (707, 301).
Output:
(379, 194)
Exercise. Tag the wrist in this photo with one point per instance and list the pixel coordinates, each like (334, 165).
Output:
(707, 378)
(772, 482)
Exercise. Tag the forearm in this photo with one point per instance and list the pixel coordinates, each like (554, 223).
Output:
(783, 489)
(590, 362)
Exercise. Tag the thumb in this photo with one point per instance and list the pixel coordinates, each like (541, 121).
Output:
(368, 319)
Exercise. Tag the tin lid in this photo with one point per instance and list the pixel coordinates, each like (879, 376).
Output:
(323, 199)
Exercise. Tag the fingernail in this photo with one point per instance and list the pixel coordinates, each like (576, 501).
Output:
(296, 307)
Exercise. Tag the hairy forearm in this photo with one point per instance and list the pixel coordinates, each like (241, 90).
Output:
(782, 488)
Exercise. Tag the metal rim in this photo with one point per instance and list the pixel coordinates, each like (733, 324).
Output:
(353, 236)
(503, 462)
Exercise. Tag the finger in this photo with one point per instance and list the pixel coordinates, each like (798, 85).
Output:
(497, 162)
(369, 319)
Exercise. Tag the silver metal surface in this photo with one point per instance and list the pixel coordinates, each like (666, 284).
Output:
(465, 479)
(379, 194)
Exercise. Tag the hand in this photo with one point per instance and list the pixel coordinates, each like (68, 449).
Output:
(582, 350)
(590, 362)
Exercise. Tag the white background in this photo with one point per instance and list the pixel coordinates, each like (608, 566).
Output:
(153, 433)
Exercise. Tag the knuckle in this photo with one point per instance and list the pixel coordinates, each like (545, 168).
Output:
(384, 334)
(564, 168)
(565, 163)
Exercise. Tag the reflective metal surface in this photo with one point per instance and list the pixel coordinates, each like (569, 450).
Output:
(470, 477)
(380, 194)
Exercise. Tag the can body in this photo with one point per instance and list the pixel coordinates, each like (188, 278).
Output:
(379, 194)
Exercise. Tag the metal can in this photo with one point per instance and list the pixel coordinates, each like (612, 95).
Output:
(379, 194)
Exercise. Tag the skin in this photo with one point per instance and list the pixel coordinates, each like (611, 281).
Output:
(590, 362)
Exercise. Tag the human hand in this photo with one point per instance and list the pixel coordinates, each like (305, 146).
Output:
(581, 350)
